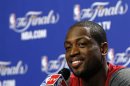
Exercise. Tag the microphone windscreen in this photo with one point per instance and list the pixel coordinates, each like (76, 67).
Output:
(65, 73)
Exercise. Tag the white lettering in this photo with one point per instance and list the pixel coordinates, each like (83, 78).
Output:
(13, 70)
(105, 24)
(33, 18)
(123, 57)
(37, 34)
(99, 9)
(8, 83)
(55, 65)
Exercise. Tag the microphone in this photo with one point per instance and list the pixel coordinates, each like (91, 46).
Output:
(65, 73)
(57, 79)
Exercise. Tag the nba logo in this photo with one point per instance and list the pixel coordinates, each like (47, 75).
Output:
(110, 55)
(77, 12)
(44, 63)
(12, 21)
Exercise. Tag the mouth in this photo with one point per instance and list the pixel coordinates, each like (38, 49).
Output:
(76, 63)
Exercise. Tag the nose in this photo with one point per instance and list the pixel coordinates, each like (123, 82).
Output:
(74, 51)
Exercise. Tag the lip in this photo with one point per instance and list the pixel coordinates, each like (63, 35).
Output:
(76, 63)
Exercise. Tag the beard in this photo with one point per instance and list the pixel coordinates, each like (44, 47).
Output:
(89, 72)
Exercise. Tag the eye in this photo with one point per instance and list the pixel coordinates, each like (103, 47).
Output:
(67, 47)
(82, 44)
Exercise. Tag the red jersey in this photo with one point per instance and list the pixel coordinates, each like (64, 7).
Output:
(75, 81)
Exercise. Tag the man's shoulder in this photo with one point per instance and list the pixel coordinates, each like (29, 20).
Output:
(74, 81)
(121, 78)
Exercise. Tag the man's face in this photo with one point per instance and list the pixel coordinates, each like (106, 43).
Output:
(82, 52)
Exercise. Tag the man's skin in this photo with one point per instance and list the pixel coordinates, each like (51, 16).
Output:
(85, 57)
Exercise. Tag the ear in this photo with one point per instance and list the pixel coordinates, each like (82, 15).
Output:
(104, 48)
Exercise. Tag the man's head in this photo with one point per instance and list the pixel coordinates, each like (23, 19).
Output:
(86, 47)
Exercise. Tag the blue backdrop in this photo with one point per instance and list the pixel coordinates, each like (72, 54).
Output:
(32, 35)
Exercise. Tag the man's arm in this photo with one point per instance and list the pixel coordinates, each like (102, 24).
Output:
(121, 78)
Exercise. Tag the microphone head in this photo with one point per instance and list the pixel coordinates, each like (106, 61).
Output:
(65, 73)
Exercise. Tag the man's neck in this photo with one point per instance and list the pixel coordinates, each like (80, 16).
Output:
(98, 79)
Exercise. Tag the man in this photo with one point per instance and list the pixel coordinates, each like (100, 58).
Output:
(86, 48)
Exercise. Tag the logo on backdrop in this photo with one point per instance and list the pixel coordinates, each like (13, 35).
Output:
(31, 19)
(119, 58)
(53, 66)
(99, 10)
(7, 69)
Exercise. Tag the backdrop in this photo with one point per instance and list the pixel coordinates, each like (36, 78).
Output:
(32, 35)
